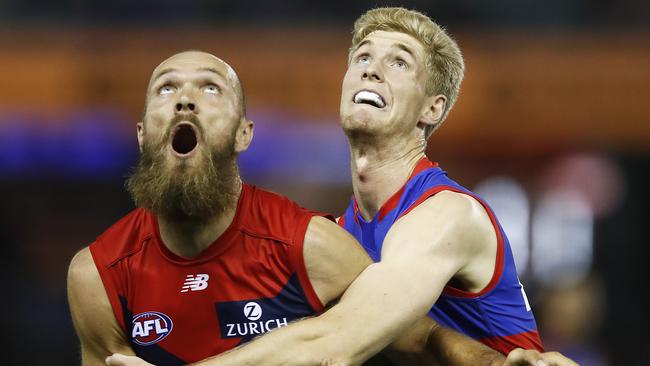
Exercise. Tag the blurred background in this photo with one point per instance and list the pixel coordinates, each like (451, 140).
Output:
(552, 127)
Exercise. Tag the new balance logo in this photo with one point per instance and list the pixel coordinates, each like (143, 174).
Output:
(195, 282)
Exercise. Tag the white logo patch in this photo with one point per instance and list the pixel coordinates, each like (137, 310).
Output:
(252, 311)
(256, 324)
(150, 327)
(195, 282)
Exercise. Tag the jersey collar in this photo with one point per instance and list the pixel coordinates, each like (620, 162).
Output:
(392, 202)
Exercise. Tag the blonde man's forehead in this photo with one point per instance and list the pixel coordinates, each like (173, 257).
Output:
(396, 39)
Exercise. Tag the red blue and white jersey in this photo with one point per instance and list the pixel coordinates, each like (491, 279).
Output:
(176, 311)
(499, 315)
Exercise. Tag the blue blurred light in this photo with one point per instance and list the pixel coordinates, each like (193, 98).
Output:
(88, 145)
(285, 148)
(93, 144)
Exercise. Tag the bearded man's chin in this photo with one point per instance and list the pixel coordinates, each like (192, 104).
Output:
(184, 193)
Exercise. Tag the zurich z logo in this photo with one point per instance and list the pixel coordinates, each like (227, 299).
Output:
(150, 327)
(253, 311)
(195, 283)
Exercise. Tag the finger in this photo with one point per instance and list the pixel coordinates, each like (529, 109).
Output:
(116, 359)
(557, 359)
(521, 357)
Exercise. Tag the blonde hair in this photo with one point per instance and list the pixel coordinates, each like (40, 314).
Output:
(444, 61)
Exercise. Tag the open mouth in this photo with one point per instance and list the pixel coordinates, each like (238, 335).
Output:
(184, 139)
(369, 97)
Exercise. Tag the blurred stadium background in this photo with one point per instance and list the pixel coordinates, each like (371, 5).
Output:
(552, 127)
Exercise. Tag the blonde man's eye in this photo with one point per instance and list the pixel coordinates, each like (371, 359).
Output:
(363, 59)
(400, 64)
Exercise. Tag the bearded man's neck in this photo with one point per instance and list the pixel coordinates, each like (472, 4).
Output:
(188, 237)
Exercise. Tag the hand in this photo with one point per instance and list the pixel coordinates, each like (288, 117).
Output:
(120, 360)
(527, 357)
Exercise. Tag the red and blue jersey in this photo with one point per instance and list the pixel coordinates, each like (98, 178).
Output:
(176, 310)
(498, 315)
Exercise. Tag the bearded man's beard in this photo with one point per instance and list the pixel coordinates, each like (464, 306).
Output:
(184, 192)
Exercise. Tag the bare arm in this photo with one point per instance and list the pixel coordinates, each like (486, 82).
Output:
(385, 300)
(367, 318)
(93, 318)
(428, 343)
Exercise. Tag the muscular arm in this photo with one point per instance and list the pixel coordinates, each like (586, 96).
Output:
(93, 318)
(384, 301)
(373, 311)
(428, 343)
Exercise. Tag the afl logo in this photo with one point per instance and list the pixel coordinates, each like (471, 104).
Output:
(150, 327)
(252, 311)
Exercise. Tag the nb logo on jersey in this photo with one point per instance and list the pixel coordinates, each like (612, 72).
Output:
(252, 311)
(195, 282)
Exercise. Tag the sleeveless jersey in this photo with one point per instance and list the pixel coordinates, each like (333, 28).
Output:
(499, 315)
(176, 311)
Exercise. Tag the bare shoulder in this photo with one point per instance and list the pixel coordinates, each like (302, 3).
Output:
(83, 277)
(333, 258)
(92, 315)
(81, 264)
(451, 232)
(85, 291)
(324, 234)
(458, 213)
(448, 225)
(456, 205)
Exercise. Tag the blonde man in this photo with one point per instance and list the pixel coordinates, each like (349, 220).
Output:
(403, 78)
(394, 95)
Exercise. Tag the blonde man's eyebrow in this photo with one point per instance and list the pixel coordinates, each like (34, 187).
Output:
(406, 49)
